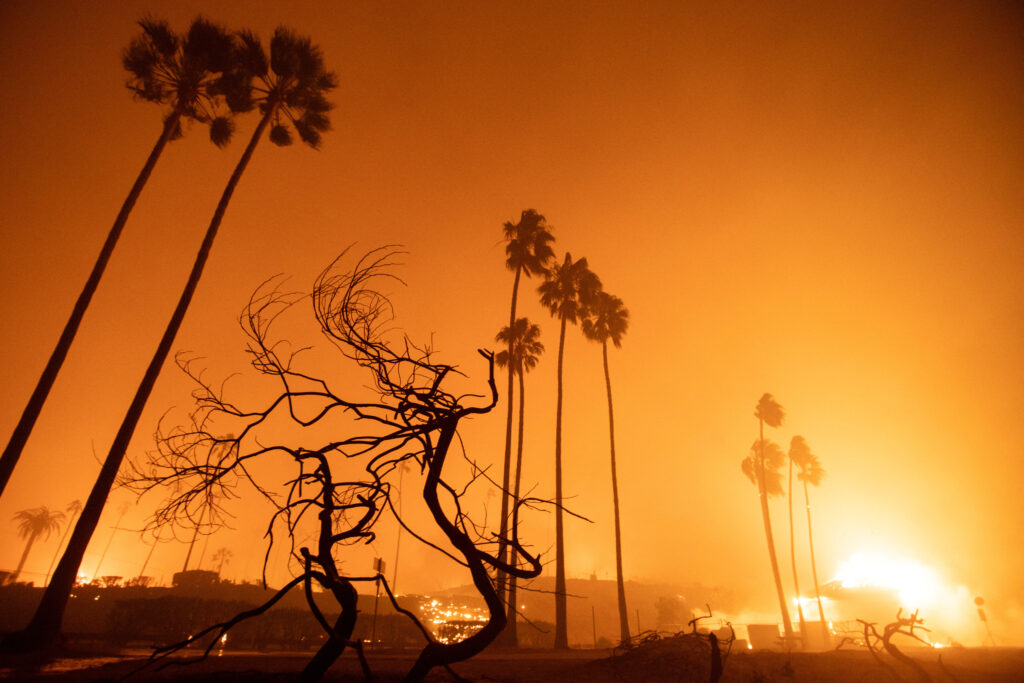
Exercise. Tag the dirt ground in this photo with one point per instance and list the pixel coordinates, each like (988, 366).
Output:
(667, 660)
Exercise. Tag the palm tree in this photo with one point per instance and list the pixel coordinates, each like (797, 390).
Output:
(608, 319)
(763, 471)
(289, 87)
(73, 508)
(32, 524)
(185, 76)
(566, 292)
(811, 472)
(797, 447)
(527, 250)
(524, 350)
(222, 557)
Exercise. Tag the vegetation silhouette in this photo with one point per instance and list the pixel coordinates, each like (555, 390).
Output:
(289, 87)
(523, 353)
(73, 509)
(527, 251)
(607, 319)
(32, 524)
(185, 75)
(811, 472)
(337, 492)
(762, 467)
(567, 290)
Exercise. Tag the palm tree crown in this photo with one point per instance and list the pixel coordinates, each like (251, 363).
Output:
(187, 74)
(769, 411)
(529, 244)
(569, 289)
(606, 319)
(774, 459)
(289, 87)
(523, 339)
(36, 522)
(800, 453)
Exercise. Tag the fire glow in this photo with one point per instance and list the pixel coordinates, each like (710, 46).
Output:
(915, 584)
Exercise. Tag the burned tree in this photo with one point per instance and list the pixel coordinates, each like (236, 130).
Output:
(344, 484)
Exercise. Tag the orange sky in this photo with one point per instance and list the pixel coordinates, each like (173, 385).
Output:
(825, 205)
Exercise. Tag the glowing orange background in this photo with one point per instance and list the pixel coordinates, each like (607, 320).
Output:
(822, 204)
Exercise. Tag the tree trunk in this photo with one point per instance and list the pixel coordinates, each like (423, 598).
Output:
(503, 529)
(35, 403)
(561, 627)
(338, 639)
(24, 556)
(511, 628)
(45, 625)
(623, 614)
(814, 568)
(786, 623)
(792, 560)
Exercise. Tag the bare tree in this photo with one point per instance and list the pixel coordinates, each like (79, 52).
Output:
(338, 491)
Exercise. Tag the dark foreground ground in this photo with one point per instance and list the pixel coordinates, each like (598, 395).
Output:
(667, 660)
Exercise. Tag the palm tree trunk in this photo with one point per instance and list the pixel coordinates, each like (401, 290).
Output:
(511, 628)
(45, 625)
(24, 556)
(24, 427)
(623, 614)
(503, 530)
(561, 627)
(792, 560)
(787, 625)
(814, 567)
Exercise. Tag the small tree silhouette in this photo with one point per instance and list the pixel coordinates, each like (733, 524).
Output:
(338, 491)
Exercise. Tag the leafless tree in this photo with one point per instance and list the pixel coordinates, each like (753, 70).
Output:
(411, 417)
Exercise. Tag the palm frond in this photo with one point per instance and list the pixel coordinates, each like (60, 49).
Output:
(769, 410)
(280, 135)
(221, 129)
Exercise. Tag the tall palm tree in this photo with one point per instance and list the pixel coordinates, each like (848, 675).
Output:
(185, 76)
(33, 523)
(769, 481)
(527, 251)
(566, 292)
(609, 319)
(797, 449)
(811, 472)
(524, 350)
(288, 88)
(73, 509)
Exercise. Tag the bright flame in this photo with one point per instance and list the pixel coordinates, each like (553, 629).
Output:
(916, 584)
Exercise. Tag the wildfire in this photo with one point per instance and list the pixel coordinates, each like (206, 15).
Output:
(916, 585)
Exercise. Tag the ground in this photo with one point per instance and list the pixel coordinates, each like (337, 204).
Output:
(666, 660)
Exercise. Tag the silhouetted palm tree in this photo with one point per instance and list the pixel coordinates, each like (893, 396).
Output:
(811, 472)
(566, 291)
(73, 508)
(32, 524)
(289, 88)
(797, 447)
(527, 250)
(222, 557)
(609, 319)
(525, 348)
(765, 474)
(184, 75)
